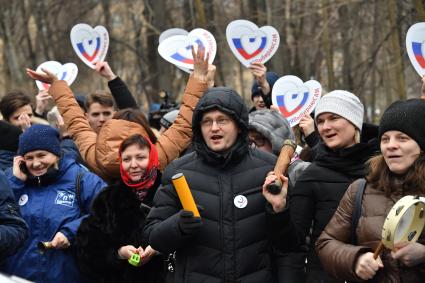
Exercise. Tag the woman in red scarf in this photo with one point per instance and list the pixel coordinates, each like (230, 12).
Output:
(114, 230)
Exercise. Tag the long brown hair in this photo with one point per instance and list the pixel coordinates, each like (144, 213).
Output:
(381, 177)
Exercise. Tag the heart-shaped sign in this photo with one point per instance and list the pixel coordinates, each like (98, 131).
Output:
(295, 98)
(415, 45)
(171, 32)
(252, 44)
(90, 44)
(67, 72)
(176, 49)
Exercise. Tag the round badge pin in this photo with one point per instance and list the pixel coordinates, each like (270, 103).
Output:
(240, 201)
(23, 200)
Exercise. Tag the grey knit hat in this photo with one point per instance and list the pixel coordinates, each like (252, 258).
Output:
(342, 103)
(273, 126)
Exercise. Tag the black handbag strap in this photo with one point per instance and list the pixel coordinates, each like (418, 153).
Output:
(357, 212)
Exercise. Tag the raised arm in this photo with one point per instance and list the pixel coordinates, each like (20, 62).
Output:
(76, 123)
(177, 138)
(118, 88)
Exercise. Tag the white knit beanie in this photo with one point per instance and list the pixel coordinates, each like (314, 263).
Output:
(342, 103)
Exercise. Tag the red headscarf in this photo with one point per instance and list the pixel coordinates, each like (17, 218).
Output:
(148, 179)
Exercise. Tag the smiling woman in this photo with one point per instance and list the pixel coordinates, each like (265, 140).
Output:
(111, 236)
(340, 159)
(397, 172)
(43, 179)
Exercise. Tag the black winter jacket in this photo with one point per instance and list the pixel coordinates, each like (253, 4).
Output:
(232, 245)
(117, 220)
(13, 229)
(316, 195)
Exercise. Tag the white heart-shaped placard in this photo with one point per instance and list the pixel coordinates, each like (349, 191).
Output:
(415, 45)
(176, 49)
(67, 72)
(295, 98)
(90, 44)
(171, 32)
(252, 44)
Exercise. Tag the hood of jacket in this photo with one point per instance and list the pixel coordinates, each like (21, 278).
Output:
(230, 102)
(108, 142)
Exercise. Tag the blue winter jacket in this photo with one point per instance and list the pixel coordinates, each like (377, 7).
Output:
(6, 159)
(49, 204)
(13, 229)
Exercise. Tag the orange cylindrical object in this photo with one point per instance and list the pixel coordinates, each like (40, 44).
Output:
(185, 196)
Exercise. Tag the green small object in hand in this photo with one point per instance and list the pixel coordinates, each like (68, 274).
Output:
(134, 260)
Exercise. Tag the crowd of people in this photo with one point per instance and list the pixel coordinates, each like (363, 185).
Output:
(86, 191)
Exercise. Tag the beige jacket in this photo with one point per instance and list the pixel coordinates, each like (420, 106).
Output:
(100, 151)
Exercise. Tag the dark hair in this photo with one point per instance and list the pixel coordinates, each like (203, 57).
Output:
(381, 177)
(135, 140)
(102, 97)
(136, 116)
(11, 102)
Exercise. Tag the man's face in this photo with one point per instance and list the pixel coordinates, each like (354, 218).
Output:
(98, 114)
(219, 130)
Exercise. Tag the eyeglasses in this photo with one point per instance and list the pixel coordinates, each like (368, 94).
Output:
(258, 141)
(207, 123)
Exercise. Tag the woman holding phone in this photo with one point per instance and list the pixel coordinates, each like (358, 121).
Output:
(54, 194)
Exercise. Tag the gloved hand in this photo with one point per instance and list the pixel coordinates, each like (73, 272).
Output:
(189, 224)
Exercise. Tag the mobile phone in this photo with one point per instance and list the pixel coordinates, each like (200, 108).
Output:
(23, 167)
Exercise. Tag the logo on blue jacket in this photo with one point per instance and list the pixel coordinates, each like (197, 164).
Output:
(65, 198)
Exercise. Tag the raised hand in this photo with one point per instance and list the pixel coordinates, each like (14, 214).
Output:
(278, 202)
(103, 69)
(200, 63)
(259, 71)
(42, 101)
(46, 76)
(307, 125)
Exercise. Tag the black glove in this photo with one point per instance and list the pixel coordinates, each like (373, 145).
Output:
(189, 224)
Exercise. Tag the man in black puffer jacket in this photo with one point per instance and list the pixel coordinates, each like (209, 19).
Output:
(229, 242)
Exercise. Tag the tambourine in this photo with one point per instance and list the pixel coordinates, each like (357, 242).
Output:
(404, 223)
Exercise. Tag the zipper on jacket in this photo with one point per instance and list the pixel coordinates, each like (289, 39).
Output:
(39, 181)
(221, 222)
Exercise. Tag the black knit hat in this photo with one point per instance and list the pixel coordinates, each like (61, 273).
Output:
(40, 137)
(9, 136)
(405, 116)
